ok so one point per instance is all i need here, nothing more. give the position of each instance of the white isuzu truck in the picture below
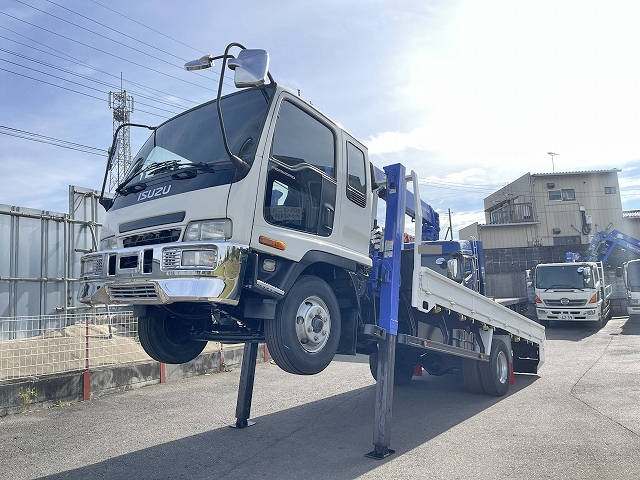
(572, 291)
(249, 219)
(632, 283)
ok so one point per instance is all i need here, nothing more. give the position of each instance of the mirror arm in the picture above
(101, 200)
(240, 164)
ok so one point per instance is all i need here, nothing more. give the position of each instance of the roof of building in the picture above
(635, 214)
(579, 172)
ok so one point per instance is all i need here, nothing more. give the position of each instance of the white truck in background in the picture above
(632, 282)
(572, 291)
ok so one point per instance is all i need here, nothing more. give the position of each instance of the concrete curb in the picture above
(69, 386)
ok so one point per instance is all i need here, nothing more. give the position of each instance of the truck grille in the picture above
(132, 292)
(572, 303)
(152, 238)
(171, 258)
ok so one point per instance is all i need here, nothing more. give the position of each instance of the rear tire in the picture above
(403, 367)
(471, 376)
(304, 336)
(494, 374)
(165, 338)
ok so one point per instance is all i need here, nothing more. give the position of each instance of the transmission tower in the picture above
(122, 106)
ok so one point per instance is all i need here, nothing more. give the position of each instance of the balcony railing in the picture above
(511, 213)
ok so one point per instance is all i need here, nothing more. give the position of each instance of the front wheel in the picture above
(166, 338)
(304, 336)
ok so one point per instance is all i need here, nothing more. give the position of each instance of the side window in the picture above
(301, 138)
(356, 177)
(301, 185)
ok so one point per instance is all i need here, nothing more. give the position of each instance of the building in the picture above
(631, 223)
(552, 209)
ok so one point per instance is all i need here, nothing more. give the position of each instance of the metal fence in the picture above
(41, 252)
(44, 344)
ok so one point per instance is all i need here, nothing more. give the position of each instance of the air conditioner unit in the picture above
(556, 231)
(551, 185)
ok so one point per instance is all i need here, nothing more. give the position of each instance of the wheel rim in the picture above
(313, 324)
(502, 367)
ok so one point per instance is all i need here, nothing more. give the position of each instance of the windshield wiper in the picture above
(153, 168)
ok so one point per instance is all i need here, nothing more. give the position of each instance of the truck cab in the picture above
(632, 283)
(206, 251)
(572, 291)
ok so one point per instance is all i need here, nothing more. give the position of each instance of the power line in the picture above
(71, 59)
(72, 90)
(26, 132)
(82, 84)
(104, 36)
(142, 24)
(33, 139)
(107, 53)
(101, 82)
(146, 26)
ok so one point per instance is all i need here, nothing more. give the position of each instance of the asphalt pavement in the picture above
(579, 419)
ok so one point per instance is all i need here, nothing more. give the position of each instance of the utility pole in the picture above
(552, 155)
(122, 106)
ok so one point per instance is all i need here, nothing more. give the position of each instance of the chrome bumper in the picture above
(153, 274)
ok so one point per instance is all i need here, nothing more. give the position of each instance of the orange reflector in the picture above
(538, 299)
(594, 299)
(270, 242)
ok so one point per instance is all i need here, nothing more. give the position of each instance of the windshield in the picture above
(193, 139)
(562, 276)
(633, 276)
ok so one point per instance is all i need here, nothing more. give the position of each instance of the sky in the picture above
(470, 95)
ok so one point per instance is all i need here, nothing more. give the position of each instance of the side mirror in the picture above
(529, 284)
(619, 271)
(452, 268)
(251, 67)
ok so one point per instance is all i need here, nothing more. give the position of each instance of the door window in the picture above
(356, 177)
(301, 185)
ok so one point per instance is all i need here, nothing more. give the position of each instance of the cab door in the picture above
(355, 198)
(297, 192)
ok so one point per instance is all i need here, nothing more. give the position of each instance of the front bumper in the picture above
(153, 275)
(569, 314)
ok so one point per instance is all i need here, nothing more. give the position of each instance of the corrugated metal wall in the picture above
(41, 254)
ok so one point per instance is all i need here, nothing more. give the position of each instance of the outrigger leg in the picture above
(245, 388)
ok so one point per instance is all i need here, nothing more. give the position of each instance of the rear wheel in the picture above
(471, 376)
(166, 338)
(403, 366)
(494, 374)
(304, 336)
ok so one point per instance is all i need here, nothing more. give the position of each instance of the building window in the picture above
(610, 190)
(566, 194)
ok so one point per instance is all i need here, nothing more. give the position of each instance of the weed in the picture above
(26, 398)
(60, 404)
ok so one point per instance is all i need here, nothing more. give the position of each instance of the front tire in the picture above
(166, 339)
(304, 336)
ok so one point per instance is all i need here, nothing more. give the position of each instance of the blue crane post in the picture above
(389, 297)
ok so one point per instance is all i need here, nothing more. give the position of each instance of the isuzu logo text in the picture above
(154, 192)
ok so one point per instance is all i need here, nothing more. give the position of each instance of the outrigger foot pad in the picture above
(242, 423)
(379, 455)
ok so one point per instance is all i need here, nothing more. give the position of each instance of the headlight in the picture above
(208, 230)
(199, 258)
(91, 266)
(108, 243)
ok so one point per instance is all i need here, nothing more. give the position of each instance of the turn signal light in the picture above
(538, 299)
(270, 242)
(594, 299)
